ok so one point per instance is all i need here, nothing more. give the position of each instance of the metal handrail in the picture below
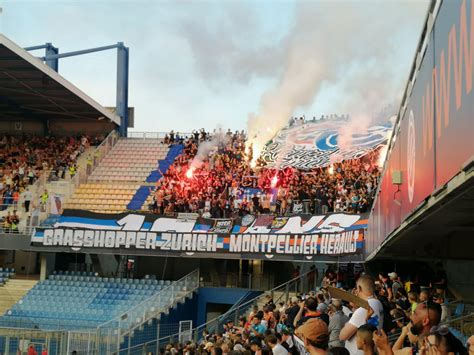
(246, 304)
(82, 174)
(457, 319)
(149, 299)
(154, 135)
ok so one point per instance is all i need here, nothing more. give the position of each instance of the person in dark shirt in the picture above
(256, 203)
(292, 311)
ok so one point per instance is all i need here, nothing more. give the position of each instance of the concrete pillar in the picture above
(43, 267)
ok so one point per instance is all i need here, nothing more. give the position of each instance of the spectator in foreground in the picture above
(365, 290)
(277, 348)
(308, 310)
(337, 320)
(364, 339)
(315, 336)
(256, 346)
(445, 311)
(424, 318)
(287, 342)
(441, 341)
(470, 345)
(292, 311)
(258, 329)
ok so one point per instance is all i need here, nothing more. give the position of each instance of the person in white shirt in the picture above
(206, 213)
(277, 348)
(365, 290)
(27, 197)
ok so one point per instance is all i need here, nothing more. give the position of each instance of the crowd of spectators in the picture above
(23, 159)
(215, 176)
(9, 223)
(314, 323)
(301, 120)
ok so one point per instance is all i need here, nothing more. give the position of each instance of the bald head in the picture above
(366, 284)
(337, 304)
(425, 316)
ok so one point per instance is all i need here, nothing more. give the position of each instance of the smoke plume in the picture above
(340, 57)
(207, 147)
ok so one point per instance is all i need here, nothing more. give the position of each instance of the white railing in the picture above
(281, 293)
(99, 153)
(151, 308)
(154, 135)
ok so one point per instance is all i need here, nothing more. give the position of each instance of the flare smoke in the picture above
(205, 148)
(340, 57)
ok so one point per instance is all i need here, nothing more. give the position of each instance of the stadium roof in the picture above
(29, 89)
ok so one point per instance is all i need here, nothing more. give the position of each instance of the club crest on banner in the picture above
(315, 143)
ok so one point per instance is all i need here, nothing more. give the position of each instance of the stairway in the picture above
(13, 291)
(143, 192)
(164, 164)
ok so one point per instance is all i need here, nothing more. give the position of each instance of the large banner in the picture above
(265, 236)
(315, 144)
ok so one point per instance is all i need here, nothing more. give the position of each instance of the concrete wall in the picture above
(218, 295)
(26, 262)
(461, 278)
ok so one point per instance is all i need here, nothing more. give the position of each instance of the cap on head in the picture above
(208, 345)
(314, 330)
(393, 275)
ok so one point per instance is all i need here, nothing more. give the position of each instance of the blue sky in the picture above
(206, 63)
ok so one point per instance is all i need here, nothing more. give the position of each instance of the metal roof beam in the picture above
(34, 48)
(84, 51)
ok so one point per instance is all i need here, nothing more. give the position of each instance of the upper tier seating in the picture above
(130, 160)
(104, 198)
(115, 181)
(80, 301)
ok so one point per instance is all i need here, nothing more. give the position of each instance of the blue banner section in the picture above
(264, 236)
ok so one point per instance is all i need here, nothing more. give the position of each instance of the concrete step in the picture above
(13, 291)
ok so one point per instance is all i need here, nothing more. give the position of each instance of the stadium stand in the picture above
(143, 193)
(5, 274)
(130, 160)
(84, 300)
(102, 197)
(223, 183)
(116, 182)
(12, 290)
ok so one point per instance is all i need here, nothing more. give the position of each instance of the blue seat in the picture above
(458, 312)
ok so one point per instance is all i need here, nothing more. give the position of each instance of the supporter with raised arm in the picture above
(308, 310)
(226, 172)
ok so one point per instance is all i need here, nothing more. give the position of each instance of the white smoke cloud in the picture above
(349, 48)
(208, 147)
